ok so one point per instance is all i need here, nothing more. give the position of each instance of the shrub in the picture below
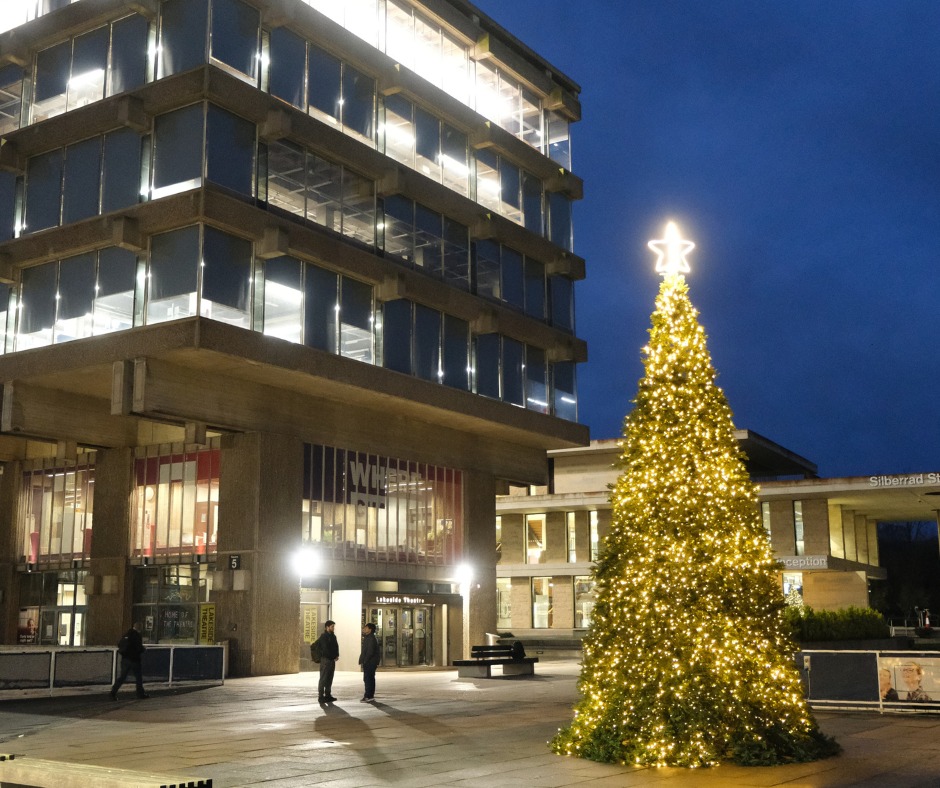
(850, 623)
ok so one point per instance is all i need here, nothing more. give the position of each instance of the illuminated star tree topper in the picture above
(688, 661)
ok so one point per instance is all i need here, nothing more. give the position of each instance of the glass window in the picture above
(183, 32)
(563, 389)
(173, 278)
(428, 240)
(8, 190)
(121, 174)
(399, 228)
(572, 532)
(486, 366)
(7, 315)
(358, 207)
(37, 306)
(324, 84)
(80, 191)
(427, 144)
(793, 588)
(531, 119)
(503, 603)
(396, 335)
(226, 278)
(560, 218)
(510, 191)
(513, 275)
(532, 202)
(355, 320)
(398, 130)
(595, 535)
(583, 601)
(178, 139)
(358, 102)
(89, 65)
(114, 293)
(230, 151)
(51, 81)
(513, 363)
(324, 192)
(456, 353)
(455, 70)
(427, 335)
(283, 298)
(11, 97)
(75, 298)
(43, 190)
(536, 380)
(454, 161)
(542, 602)
(534, 288)
(286, 177)
(765, 518)
(399, 41)
(128, 54)
(175, 502)
(320, 307)
(287, 66)
(559, 142)
(456, 254)
(798, 534)
(487, 180)
(562, 302)
(487, 268)
(235, 27)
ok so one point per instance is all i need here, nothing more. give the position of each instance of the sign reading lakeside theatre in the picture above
(910, 480)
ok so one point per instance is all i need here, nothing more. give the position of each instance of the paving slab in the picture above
(428, 729)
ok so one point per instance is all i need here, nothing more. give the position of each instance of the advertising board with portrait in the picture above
(905, 680)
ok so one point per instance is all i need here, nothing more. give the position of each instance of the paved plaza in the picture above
(428, 728)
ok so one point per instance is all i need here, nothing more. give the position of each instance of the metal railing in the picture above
(38, 667)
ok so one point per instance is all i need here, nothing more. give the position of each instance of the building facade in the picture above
(275, 274)
(823, 532)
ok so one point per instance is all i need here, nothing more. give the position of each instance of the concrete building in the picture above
(823, 531)
(275, 273)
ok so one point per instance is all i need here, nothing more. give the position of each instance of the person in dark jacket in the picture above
(130, 661)
(329, 653)
(369, 659)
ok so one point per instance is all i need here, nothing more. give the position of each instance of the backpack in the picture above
(123, 645)
(315, 650)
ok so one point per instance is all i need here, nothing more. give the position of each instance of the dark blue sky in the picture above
(798, 145)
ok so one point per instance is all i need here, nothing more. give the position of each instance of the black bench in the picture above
(482, 659)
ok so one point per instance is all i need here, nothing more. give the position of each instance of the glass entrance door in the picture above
(403, 634)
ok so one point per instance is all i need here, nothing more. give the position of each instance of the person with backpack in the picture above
(325, 650)
(131, 649)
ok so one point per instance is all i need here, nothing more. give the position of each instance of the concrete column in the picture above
(110, 586)
(9, 488)
(480, 513)
(260, 520)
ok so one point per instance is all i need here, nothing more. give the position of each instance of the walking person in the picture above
(369, 659)
(131, 649)
(329, 654)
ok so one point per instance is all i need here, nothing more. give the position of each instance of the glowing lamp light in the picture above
(464, 574)
(671, 252)
(305, 562)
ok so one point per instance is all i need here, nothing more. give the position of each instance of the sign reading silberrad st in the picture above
(904, 480)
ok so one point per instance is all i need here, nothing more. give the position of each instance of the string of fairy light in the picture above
(687, 661)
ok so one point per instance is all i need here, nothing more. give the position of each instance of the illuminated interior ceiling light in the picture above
(671, 252)
(88, 78)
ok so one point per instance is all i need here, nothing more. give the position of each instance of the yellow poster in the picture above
(310, 624)
(206, 624)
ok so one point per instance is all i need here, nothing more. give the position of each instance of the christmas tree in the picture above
(688, 661)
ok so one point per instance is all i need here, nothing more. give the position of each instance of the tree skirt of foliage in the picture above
(688, 661)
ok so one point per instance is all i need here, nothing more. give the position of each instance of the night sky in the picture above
(798, 145)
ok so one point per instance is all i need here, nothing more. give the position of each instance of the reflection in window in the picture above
(11, 97)
(43, 190)
(37, 306)
(115, 290)
(536, 380)
(128, 54)
(572, 531)
(55, 518)
(542, 602)
(283, 299)
(183, 29)
(178, 151)
(173, 276)
(50, 85)
(175, 502)
(226, 278)
(563, 385)
(89, 64)
(798, 533)
(355, 320)
(166, 601)
(75, 298)
(595, 535)
(558, 139)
